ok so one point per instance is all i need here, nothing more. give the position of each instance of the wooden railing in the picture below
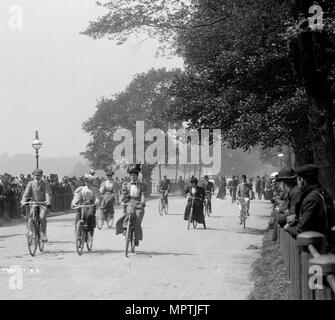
(311, 274)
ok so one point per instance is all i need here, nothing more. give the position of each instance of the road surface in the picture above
(170, 263)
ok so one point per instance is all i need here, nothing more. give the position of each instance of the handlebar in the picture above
(190, 197)
(34, 202)
(84, 206)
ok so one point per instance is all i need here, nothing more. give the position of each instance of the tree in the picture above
(144, 99)
(252, 68)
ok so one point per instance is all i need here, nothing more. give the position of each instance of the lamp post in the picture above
(281, 156)
(37, 144)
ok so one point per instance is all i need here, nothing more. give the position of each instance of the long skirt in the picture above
(222, 193)
(107, 203)
(122, 223)
(198, 211)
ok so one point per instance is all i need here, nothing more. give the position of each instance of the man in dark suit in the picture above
(315, 208)
(39, 190)
(287, 214)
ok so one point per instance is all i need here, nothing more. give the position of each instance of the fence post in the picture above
(327, 264)
(304, 240)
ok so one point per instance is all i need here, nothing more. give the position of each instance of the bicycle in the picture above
(34, 228)
(243, 211)
(162, 204)
(82, 231)
(206, 204)
(130, 229)
(104, 216)
(190, 217)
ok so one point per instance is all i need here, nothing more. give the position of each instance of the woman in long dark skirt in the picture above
(222, 188)
(198, 203)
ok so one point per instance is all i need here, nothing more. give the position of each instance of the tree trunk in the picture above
(321, 117)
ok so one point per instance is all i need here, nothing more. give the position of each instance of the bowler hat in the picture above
(308, 170)
(38, 172)
(109, 173)
(286, 173)
(134, 168)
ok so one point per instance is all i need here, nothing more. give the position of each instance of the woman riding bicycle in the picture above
(107, 190)
(86, 195)
(198, 193)
(133, 195)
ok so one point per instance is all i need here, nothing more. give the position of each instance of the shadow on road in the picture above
(253, 231)
(10, 236)
(70, 219)
(155, 253)
(54, 242)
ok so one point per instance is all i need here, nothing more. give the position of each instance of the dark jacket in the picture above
(311, 212)
(293, 198)
(198, 205)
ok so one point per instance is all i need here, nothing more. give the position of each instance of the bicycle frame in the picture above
(81, 211)
(191, 210)
(35, 216)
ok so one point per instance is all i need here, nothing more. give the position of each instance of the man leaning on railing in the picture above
(315, 211)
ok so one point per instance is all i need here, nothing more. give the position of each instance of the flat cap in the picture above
(109, 173)
(286, 173)
(307, 170)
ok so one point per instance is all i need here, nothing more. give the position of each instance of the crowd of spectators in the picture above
(12, 188)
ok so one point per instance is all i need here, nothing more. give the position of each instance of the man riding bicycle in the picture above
(164, 188)
(87, 195)
(209, 189)
(244, 191)
(38, 190)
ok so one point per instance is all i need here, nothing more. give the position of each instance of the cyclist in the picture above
(164, 188)
(133, 194)
(87, 195)
(244, 191)
(108, 190)
(38, 190)
(198, 205)
(209, 189)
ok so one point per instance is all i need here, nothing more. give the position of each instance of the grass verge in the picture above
(269, 273)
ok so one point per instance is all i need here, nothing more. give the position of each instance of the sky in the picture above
(51, 76)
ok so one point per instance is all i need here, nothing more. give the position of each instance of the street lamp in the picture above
(37, 144)
(281, 156)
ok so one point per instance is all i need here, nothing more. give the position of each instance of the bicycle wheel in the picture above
(80, 237)
(160, 207)
(206, 207)
(132, 240)
(32, 238)
(166, 208)
(110, 220)
(40, 242)
(100, 219)
(190, 218)
(127, 242)
(89, 242)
